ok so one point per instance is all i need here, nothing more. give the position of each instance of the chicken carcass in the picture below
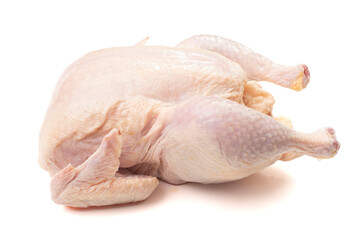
(122, 118)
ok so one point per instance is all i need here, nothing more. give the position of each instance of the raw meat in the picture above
(122, 118)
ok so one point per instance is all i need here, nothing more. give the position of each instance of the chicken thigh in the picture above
(122, 118)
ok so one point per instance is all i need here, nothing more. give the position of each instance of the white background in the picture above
(301, 199)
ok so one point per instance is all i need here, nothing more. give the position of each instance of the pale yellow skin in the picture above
(122, 117)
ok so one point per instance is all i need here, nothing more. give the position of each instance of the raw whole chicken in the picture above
(122, 118)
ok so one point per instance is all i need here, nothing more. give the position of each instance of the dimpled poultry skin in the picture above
(122, 118)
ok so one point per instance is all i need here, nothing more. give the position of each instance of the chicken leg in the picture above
(211, 139)
(256, 66)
